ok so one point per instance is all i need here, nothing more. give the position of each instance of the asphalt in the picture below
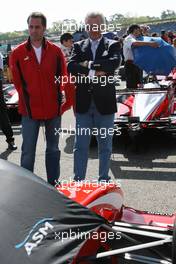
(147, 177)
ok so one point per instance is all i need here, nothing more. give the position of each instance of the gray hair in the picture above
(95, 14)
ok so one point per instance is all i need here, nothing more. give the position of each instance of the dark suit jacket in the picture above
(102, 90)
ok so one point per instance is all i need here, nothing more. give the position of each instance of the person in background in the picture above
(154, 34)
(164, 35)
(132, 71)
(66, 45)
(170, 36)
(174, 43)
(80, 34)
(35, 65)
(145, 30)
(4, 119)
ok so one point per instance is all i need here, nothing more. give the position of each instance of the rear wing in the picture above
(142, 91)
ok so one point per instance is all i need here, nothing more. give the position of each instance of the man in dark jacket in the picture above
(4, 119)
(93, 62)
(35, 64)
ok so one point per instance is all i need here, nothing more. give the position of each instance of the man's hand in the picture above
(100, 73)
(154, 44)
(84, 63)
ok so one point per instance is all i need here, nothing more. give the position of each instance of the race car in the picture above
(130, 236)
(11, 99)
(77, 222)
(152, 106)
(10, 95)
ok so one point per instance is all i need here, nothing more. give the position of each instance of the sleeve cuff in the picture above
(90, 64)
(91, 73)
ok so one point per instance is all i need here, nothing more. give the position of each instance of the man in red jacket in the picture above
(37, 65)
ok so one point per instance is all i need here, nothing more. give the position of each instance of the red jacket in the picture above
(36, 83)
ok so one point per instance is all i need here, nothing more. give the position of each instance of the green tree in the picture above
(117, 18)
(63, 26)
(127, 19)
(168, 14)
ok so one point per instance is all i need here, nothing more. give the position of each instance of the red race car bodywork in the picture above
(106, 199)
(153, 106)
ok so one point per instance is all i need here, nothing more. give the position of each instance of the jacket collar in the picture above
(103, 45)
(101, 48)
(29, 45)
(98, 40)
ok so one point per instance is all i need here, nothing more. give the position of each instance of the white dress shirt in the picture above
(94, 46)
(127, 49)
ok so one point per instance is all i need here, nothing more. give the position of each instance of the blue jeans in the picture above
(30, 131)
(102, 126)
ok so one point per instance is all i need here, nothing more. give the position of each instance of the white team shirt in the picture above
(127, 50)
(38, 53)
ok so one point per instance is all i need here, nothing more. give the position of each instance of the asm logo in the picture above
(36, 235)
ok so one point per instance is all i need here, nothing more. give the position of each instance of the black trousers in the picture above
(4, 120)
(133, 75)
